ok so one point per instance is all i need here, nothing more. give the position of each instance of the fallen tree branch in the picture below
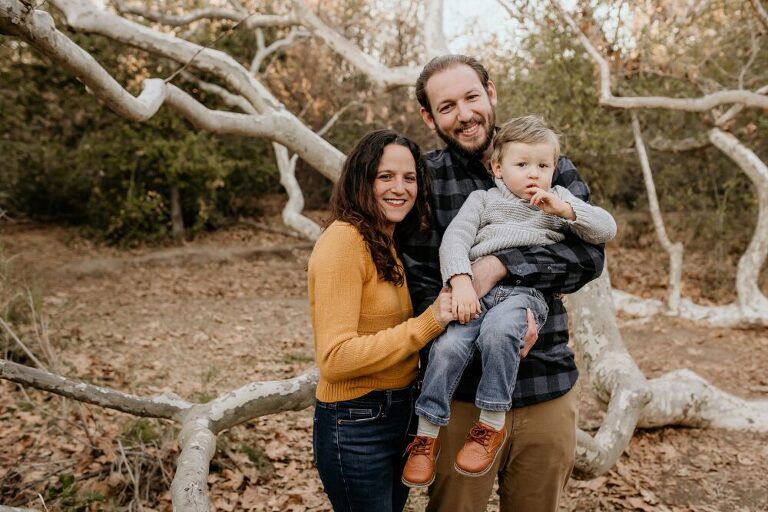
(677, 398)
(200, 423)
(164, 406)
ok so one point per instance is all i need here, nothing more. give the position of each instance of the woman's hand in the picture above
(441, 308)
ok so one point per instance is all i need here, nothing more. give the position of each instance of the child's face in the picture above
(525, 167)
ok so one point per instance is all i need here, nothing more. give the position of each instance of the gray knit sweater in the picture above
(496, 219)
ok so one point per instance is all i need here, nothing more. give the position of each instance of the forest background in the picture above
(80, 183)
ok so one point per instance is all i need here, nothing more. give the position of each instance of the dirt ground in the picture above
(230, 308)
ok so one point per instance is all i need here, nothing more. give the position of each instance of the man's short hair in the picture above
(442, 63)
(527, 130)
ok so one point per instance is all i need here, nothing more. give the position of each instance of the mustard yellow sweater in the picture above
(365, 338)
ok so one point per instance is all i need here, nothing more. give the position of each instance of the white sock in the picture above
(493, 419)
(427, 428)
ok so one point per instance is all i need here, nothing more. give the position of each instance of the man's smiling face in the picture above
(463, 111)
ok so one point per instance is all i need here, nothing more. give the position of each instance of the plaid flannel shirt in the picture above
(549, 370)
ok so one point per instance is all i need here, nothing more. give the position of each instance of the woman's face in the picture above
(395, 186)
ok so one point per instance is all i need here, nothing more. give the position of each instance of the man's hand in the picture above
(531, 335)
(464, 300)
(550, 203)
(486, 272)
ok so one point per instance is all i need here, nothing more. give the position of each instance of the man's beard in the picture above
(476, 152)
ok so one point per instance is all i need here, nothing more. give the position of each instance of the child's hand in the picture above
(464, 301)
(552, 204)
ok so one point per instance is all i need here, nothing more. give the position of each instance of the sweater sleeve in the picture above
(460, 236)
(593, 224)
(338, 270)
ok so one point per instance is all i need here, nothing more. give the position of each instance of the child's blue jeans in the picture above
(498, 334)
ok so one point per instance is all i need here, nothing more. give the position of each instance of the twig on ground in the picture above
(42, 501)
(21, 344)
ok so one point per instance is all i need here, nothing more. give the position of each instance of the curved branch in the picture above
(701, 104)
(684, 398)
(680, 146)
(261, 398)
(613, 373)
(677, 398)
(675, 250)
(210, 13)
(278, 126)
(762, 15)
(291, 214)
(165, 406)
(381, 75)
(37, 29)
(265, 51)
(751, 298)
(735, 110)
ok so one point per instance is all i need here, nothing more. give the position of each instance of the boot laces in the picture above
(419, 446)
(480, 434)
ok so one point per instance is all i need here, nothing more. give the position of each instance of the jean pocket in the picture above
(358, 416)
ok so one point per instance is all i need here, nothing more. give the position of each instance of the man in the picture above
(458, 102)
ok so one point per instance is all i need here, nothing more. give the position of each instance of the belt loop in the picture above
(388, 404)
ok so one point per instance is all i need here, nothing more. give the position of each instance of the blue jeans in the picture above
(498, 334)
(358, 446)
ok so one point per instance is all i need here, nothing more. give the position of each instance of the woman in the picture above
(366, 342)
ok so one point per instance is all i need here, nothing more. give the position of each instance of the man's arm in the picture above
(419, 253)
(562, 267)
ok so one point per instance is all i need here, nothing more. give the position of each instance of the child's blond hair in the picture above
(527, 130)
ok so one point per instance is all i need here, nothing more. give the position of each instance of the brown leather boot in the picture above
(419, 470)
(480, 450)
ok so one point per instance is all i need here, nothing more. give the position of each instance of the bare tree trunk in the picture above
(177, 220)
(751, 300)
(676, 398)
(752, 306)
(675, 250)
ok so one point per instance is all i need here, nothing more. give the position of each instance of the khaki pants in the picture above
(533, 467)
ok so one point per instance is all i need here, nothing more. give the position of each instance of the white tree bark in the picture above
(607, 99)
(200, 423)
(210, 13)
(292, 217)
(677, 398)
(263, 51)
(37, 28)
(434, 35)
(162, 406)
(380, 74)
(751, 300)
(80, 15)
(675, 250)
(752, 306)
(762, 15)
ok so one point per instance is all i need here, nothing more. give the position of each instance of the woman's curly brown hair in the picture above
(353, 200)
